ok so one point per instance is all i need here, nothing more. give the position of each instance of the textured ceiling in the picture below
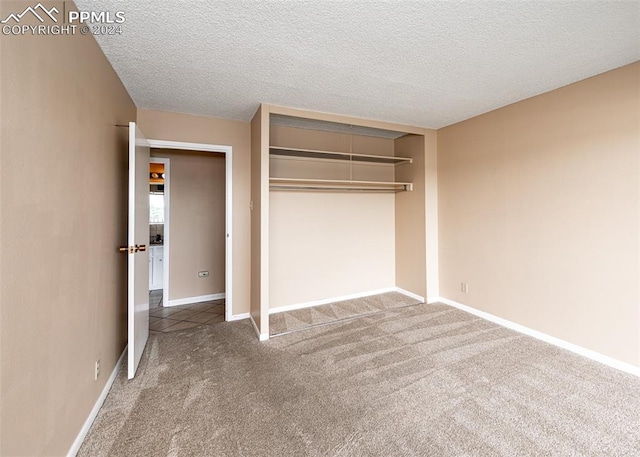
(422, 63)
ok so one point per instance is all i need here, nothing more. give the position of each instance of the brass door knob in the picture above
(133, 249)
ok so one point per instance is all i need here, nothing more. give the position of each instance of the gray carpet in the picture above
(302, 319)
(424, 380)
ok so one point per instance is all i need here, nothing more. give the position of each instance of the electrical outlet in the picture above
(464, 287)
(97, 370)
(203, 274)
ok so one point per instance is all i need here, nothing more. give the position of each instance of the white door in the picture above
(138, 289)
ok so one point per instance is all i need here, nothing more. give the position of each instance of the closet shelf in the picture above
(334, 155)
(338, 184)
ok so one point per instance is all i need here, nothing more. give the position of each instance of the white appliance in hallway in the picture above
(156, 267)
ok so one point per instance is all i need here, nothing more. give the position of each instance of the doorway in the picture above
(138, 236)
(203, 272)
(159, 224)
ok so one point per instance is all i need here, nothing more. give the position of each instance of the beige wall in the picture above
(325, 245)
(259, 220)
(431, 213)
(410, 220)
(63, 181)
(160, 125)
(539, 212)
(197, 222)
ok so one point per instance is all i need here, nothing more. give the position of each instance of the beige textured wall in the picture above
(539, 212)
(197, 222)
(63, 181)
(323, 244)
(431, 213)
(410, 220)
(259, 220)
(161, 125)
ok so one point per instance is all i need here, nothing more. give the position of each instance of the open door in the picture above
(138, 272)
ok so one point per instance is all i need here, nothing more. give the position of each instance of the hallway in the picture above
(169, 319)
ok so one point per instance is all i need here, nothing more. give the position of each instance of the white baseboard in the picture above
(593, 355)
(192, 300)
(432, 300)
(239, 317)
(326, 301)
(75, 447)
(420, 298)
(282, 309)
(261, 336)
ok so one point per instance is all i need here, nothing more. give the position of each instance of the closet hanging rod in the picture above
(337, 188)
(338, 184)
(335, 155)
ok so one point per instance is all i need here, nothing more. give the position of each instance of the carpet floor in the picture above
(301, 319)
(425, 380)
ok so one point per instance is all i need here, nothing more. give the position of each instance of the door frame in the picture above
(167, 223)
(228, 153)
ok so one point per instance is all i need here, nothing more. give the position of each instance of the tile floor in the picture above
(168, 319)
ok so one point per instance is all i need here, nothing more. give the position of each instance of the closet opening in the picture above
(343, 203)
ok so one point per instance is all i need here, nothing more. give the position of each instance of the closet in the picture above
(338, 209)
(350, 161)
